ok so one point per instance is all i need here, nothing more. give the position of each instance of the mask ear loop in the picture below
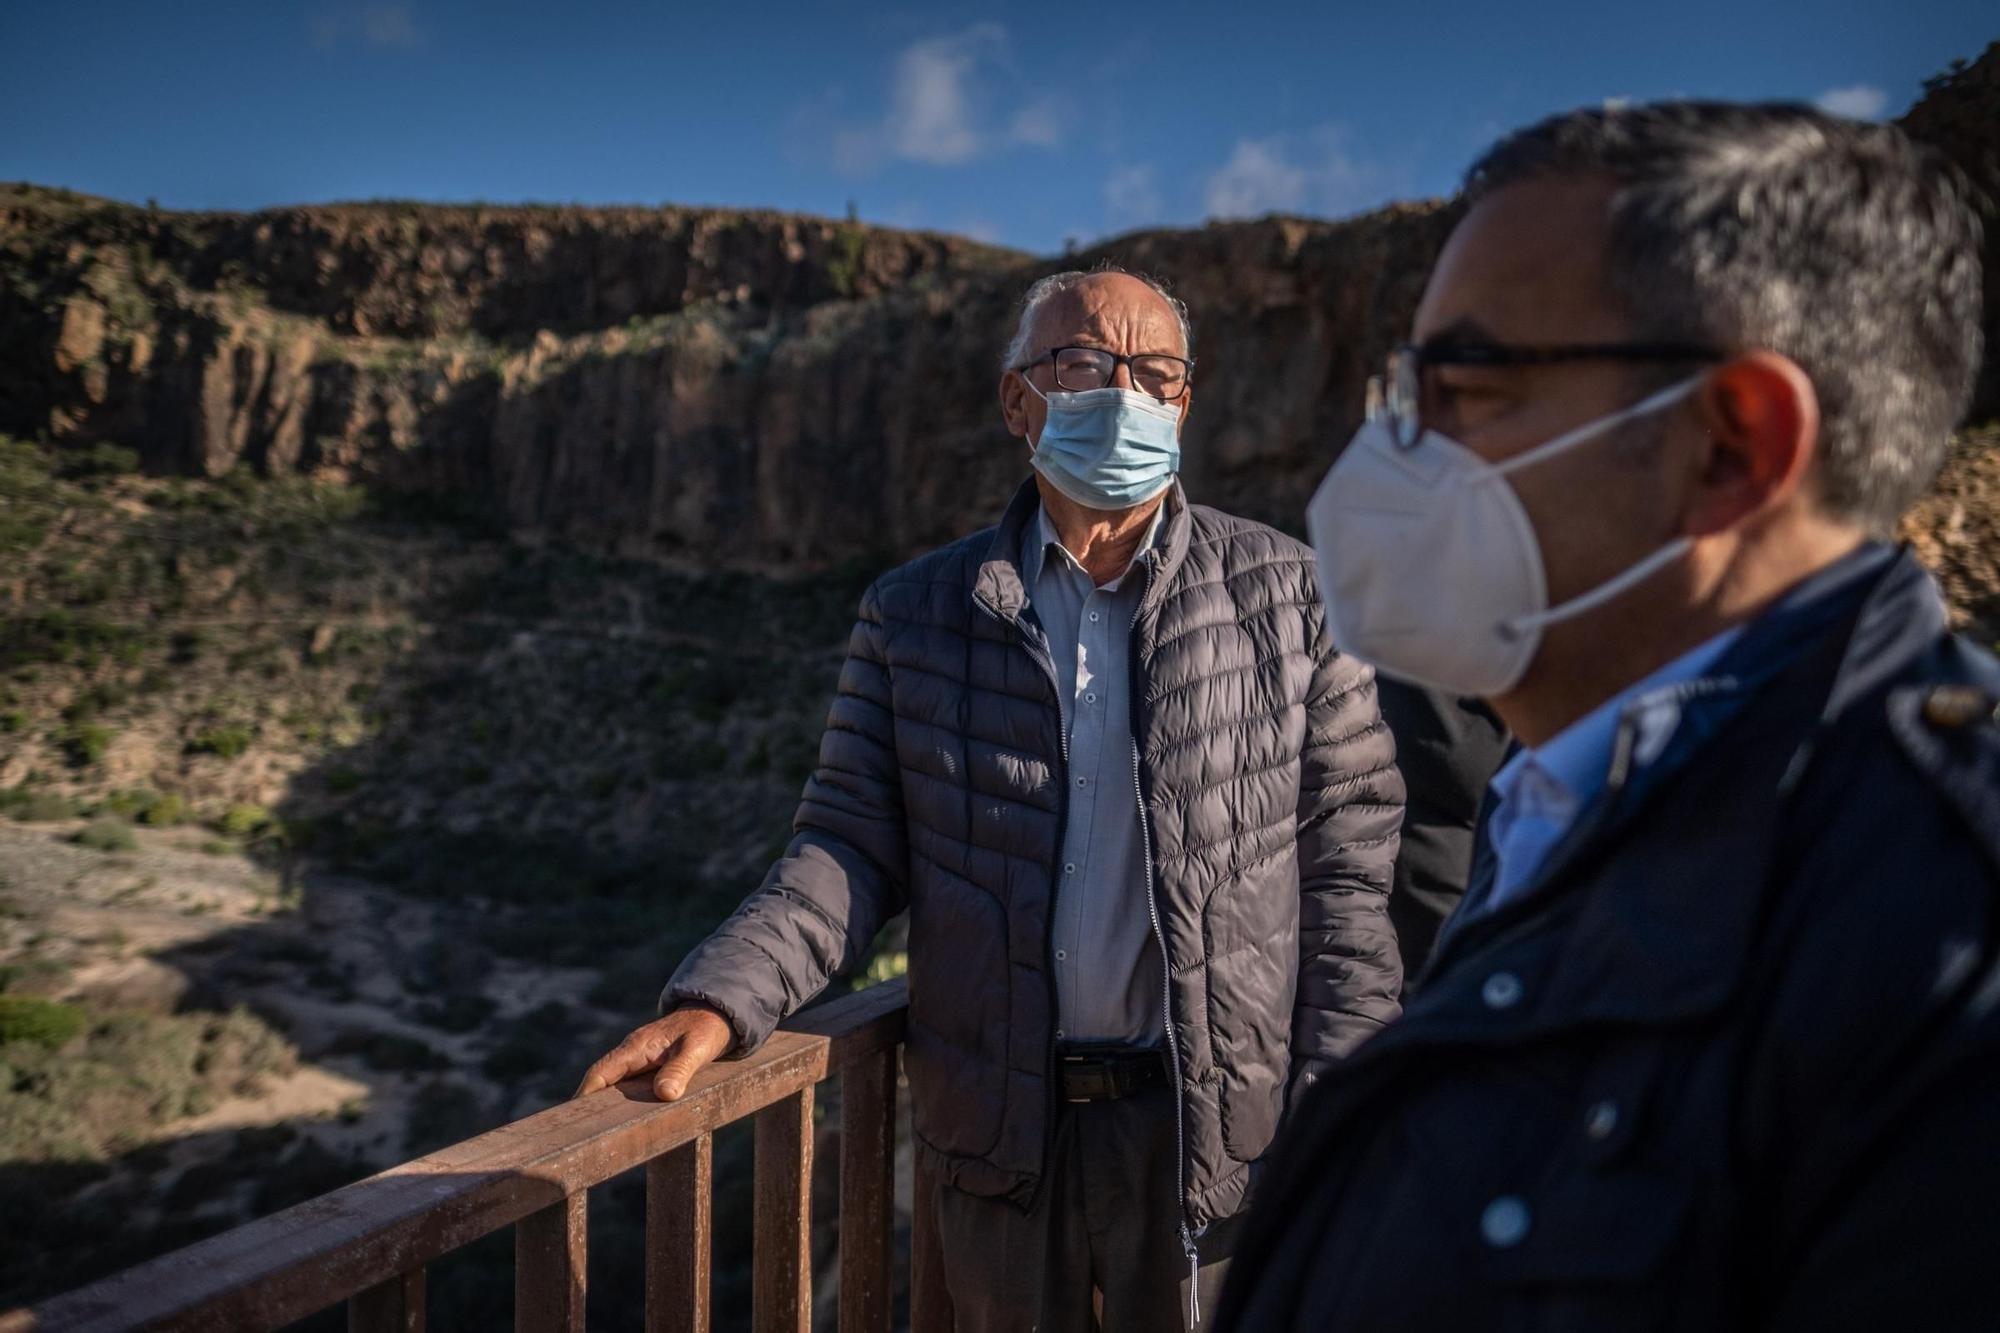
(1602, 593)
(1514, 629)
(1665, 398)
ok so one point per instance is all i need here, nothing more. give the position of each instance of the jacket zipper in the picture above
(1188, 1237)
(1049, 1109)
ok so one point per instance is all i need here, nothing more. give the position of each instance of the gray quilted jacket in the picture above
(1273, 808)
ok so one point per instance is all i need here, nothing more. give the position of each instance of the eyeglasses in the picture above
(1082, 368)
(1396, 395)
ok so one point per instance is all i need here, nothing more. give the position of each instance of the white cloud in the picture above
(1039, 124)
(931, 110)
(1313, 172)
(1858, 102)
(389, 25)
(946, 105)
(1132, 196)
(383, 26)
(1258, 178)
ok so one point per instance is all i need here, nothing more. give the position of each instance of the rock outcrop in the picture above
(730, 388)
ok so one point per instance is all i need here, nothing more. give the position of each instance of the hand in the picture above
(680, 1044)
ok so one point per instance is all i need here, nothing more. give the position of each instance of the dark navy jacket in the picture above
(1732, 1061)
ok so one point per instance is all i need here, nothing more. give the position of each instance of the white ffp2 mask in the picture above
(1429, 565)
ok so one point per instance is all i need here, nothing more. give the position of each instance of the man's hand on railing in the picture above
(679, 1044)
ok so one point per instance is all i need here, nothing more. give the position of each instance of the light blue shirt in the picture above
(1539, 793)
(1110, 986)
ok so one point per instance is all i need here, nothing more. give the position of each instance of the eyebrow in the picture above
(1461, 332)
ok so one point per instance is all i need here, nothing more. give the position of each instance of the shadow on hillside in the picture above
(558, 773)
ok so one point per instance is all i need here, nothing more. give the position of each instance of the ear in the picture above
(1014, 403)
(1187, 401)
(1762, 419)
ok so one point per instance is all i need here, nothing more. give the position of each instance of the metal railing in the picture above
(368, 1244)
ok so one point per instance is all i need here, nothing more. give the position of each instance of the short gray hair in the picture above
(1842, 245)
(1055, 284)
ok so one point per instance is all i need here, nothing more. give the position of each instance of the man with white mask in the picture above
(1143, 817)
(1713, 1041)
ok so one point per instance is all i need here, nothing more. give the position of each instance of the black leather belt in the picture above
(1106, 1073)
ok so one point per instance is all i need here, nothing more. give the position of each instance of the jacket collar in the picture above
(998, 581)
(1656, 938)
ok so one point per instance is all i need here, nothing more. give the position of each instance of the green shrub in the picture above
(240, 821)
(99, 460)
(227, 742)
(13, 720)
(43, 977)
(131, 1072)
(61, 636)
(84, 743)
(164, 811)
(107, 833)
(126, 804)
(32, 806)
(44, 1022)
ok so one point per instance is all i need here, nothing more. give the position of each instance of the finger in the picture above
(595, 1079)
(670, 1084)
(622, 1063)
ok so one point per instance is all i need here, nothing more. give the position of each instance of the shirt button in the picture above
(1505, 1222)
(1083, 782)
(1070, 869)
(1094, 616)
(1501, 991)
(1601, 1120)
(1059, 1034)
(1062, 956)
(1090, 698)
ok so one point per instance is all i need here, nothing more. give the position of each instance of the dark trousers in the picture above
(1101, 1247)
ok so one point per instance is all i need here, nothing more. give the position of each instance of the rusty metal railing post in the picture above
(781, 1255)
(680, 1190)
(867, 1190)
(395, 1306)
(549, 1250)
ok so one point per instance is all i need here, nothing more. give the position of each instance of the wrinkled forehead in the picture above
(1527, 265)
(1113, 311)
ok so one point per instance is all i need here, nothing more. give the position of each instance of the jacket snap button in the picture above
(1955, 707)
(1501, 991)
(1505, 1222)
(1601, 1121)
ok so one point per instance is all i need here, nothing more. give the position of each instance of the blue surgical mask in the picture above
(1108, 448)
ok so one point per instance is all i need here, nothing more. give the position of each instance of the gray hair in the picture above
(1022, 343)
(1841, 245)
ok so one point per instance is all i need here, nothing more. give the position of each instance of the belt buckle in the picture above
(1078, 1060)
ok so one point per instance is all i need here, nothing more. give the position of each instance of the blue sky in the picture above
(1026, 124)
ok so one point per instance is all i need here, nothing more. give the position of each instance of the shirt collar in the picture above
(1042, 535)
(1572, 766)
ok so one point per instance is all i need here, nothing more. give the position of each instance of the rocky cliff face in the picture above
(730, 388)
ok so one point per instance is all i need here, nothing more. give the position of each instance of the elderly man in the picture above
(1713, 1041)
(1143, 817)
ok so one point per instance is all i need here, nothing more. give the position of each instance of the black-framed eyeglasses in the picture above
(1080, 368)
(1397, 394)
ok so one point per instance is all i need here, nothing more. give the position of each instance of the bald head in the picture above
(1079, 309)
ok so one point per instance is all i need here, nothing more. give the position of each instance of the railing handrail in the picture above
(280, 1268)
